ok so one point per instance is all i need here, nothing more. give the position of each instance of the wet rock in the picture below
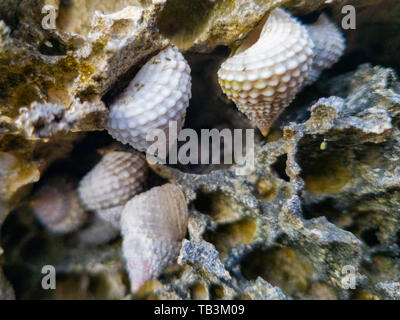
(262, 290)
(205, 254)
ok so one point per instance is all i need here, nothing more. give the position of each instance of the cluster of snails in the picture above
(262, 77)
(152, 223)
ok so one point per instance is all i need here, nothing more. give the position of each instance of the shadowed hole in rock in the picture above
(280, 167)
(286, 268)
(198, 291)
(364, 43)
(154, 180)
(217, 205)
(398, 237)
(83, 156)
(228, 235)
(324, 170)
(16, 230)
(370, 236)
(282, 239)
(213, 112)
(52, 47)
(176, 20)
(35, 249)
(373, 227)
(328, 209)
(203, 202)
(216, 292)
(24, 257)
(309, 18)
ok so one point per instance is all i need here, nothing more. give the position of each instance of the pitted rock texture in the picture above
(291, 233)
(324, 194)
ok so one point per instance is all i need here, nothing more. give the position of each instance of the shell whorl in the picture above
(153, 225)
(263, 77)
(329, 45)
(159, 93)
(57, 206)
(112, 182)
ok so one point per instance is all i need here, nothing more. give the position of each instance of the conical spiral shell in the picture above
(159, 93)
(112, 182)
(57, 206)
(153, 225)
(329, 45)
(264, 77)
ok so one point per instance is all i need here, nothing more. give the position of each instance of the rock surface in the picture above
(318, 216)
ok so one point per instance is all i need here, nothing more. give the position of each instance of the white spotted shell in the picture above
(329, 45)
(159, 93)
(153, 225)
(265, 73)
(112, 182)
(57, 206)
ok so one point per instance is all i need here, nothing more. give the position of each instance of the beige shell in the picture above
(112, 182)
(329, 45)
(153, 225)
(264, 74)
(57, 206)
(159, 93)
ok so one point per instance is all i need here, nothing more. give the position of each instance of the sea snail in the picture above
(153, 225)
(159, 93)
(264, 74)
(329, 45)
(112, 182)
(57, 206)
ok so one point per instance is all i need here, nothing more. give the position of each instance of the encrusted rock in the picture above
(205, 254)
(321, 201)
